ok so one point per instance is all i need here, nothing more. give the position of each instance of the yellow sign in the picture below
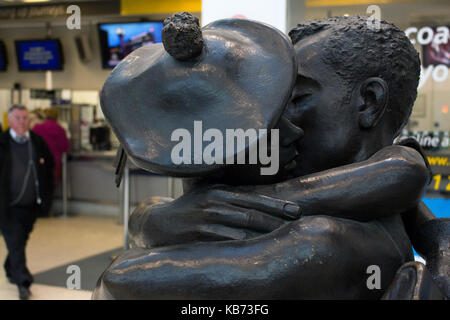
(325, 3)
(5, 121)
(439, 161)
(159, 6)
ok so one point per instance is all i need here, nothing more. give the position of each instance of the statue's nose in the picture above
(289, 132)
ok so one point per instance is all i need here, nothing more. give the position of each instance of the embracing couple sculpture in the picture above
(346, 197)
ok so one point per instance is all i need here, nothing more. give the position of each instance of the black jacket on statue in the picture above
(44, 170)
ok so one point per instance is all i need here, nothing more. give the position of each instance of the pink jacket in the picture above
(55, 136)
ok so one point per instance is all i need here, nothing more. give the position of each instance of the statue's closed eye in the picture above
(300, 98)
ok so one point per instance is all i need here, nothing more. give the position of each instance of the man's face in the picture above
(319, 107)
(250, 174)
(18, 120)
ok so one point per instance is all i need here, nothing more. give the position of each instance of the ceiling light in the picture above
(31, 1)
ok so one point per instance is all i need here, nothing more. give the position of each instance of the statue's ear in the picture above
(374, 96)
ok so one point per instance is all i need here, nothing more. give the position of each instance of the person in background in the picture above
(55, 136)
(35, 117)
(26, 180)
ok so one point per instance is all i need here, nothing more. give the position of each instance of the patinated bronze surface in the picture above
(242, 78)
(349, 199)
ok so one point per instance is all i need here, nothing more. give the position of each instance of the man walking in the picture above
(26, 180)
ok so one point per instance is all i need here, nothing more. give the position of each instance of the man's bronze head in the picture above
(355, 89)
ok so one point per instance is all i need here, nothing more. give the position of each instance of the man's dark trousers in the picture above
(16, 231)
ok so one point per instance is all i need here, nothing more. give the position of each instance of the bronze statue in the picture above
(345, 197)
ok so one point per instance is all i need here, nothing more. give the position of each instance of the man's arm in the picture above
(390, 182)
(313, 257)
(49, 161)
(430, 236)
(206, 215)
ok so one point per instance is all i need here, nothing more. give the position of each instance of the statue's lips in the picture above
(242, 80)
(287, 157)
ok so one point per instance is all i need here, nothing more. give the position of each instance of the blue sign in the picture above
(39, 55)
(2, 61)
(3, 57)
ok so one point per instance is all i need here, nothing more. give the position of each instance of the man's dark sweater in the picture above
(19, 165)
(44, 166)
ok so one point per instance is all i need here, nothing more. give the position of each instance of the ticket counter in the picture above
(90, 183)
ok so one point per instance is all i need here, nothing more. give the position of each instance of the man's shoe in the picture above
(24, 293)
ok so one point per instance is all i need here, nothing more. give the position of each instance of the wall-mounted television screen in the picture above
(117, 40)
(39, 55)
(3, 57)
(434, 54)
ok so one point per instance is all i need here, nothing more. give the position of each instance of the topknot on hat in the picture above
(182, 37)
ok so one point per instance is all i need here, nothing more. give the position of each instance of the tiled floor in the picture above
(58, 241)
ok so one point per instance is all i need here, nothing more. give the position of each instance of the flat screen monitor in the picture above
(117, 40)
(3, 57)
(434, 54)
(39, 55)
